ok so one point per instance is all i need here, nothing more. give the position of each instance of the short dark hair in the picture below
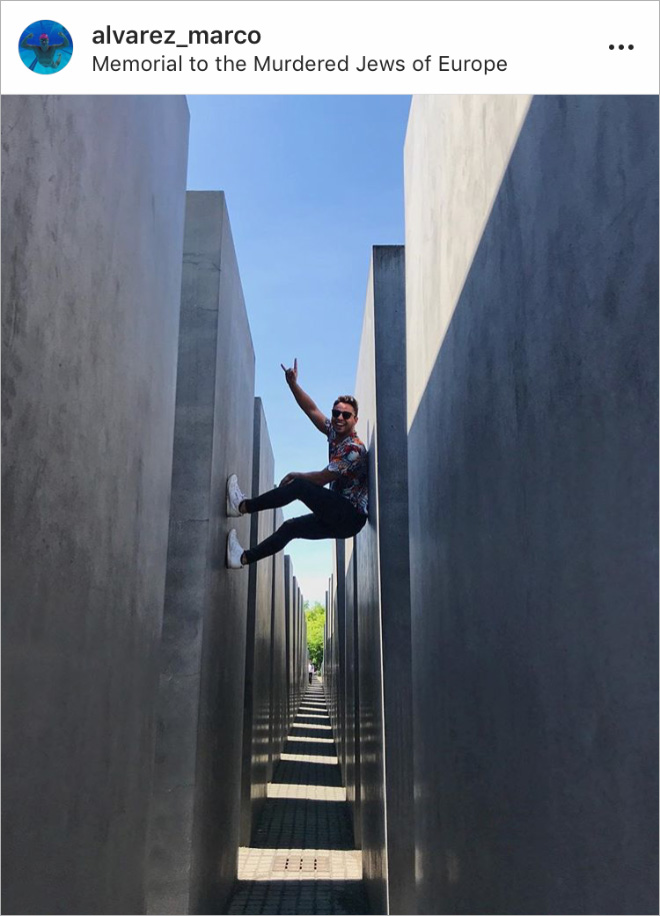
(347, 399)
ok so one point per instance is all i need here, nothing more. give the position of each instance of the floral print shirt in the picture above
(348, 458)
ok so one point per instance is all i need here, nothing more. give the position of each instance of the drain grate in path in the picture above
(319, 865)
(302, 858)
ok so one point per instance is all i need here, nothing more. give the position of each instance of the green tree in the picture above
(315, 616)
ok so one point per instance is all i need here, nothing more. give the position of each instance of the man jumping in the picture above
(339, 512)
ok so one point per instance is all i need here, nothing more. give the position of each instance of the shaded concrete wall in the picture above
(195, 806)
(92, 227)
(298, 671)
(278, 665)
(340, 658)
(532, 456)
(290, 636)
(305, 652)
(302, 648)
(331, 671)
(352, 688)
(293, 674)
(295, 680)
(326, 635)
(297, 645)
(256, 711)
(328, 678)
(381, 571)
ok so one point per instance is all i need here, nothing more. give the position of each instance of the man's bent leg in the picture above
(307, 527)
(327, 506)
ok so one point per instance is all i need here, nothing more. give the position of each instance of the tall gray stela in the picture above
(93, 193)
(339, 580)
(378, 581)
(532, 311)
(290, 664)
(195, 810)
(257, 705)
(278, 690)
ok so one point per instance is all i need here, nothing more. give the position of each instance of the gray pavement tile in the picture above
(303, 849)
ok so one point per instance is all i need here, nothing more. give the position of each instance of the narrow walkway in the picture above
(302, 859)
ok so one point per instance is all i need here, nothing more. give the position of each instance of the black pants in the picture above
(332, 516)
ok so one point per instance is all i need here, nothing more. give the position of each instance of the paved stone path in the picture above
(302, 859)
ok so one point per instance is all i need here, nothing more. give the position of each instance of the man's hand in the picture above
(303, 400)
(318, 477)
(291, 375)
(289, 478)
(29, 35)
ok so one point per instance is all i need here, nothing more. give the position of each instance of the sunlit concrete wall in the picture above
(92, 227)
(256, 711)
(531, 250)
(381, 581)
(195, 806)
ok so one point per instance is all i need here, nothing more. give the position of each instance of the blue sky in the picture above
(312, 182)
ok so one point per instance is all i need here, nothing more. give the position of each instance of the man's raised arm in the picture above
(303, 399)
(62, 44)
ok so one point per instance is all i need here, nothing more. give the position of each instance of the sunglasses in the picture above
(346, 414)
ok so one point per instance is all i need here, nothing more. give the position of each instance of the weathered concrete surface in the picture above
(329, 664)
(302, 649)
(339, 613)
(295, 683)
(331, 672)
(295, 676)
(92, 206)
(278, 668)
(195, 805)
(352, 688)
(449, 216)
(290, 664)
(533, 529)
(383, 588)
(256, 711)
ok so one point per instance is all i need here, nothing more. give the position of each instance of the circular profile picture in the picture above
(45, 47)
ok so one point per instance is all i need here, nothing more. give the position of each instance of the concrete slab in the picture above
(533, 529)
(288, 602)
(198, 752)
(92, 227)
(278, 692)
(382, 582)
(340, 659)
(351, 683)
(256, 710)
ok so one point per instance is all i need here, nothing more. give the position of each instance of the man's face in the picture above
(341, 421)
(44, 42)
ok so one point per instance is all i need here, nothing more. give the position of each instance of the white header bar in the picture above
(339, 47)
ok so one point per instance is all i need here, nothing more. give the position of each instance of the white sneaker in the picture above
(234, 551)
(234, 497)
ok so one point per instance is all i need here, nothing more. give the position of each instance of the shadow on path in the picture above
(302, 858)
